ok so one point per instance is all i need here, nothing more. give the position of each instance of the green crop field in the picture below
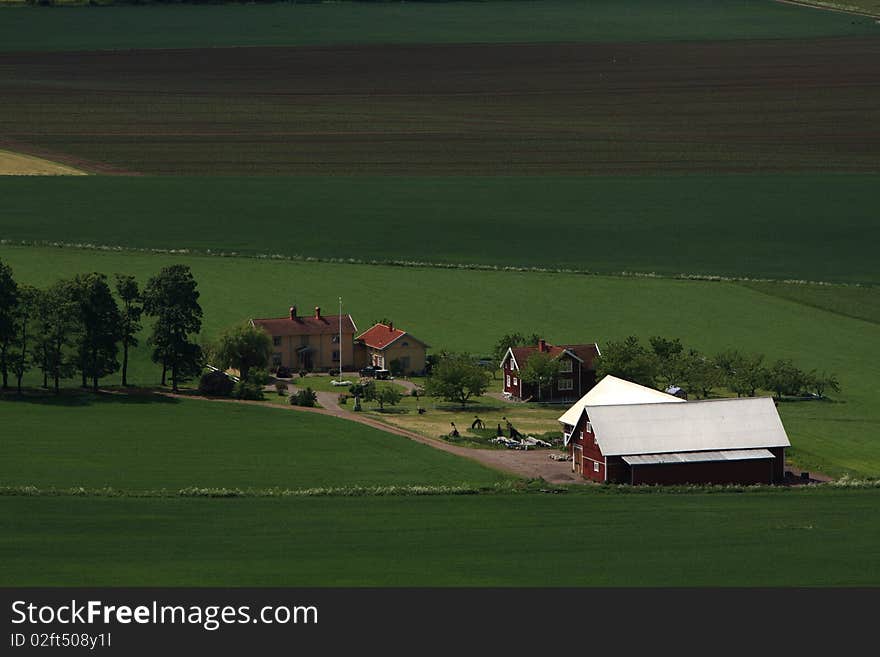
(188, 26)
(149, 443)
(734, 225)
(793, 538)
(469, 310)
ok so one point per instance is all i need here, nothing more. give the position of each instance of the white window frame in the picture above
(566, 366)
(570, 385)
(508, 380)
(595, 466)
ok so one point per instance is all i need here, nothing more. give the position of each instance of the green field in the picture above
(469, 310)
(772, 226)
(188, 26)
(806, 538)
(851, 301)
(149, 443)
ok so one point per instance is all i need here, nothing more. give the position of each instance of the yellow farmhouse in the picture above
(310, 342)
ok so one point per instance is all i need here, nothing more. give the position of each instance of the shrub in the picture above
(306, 397)
(259, 377)
(281, 388)
(249, 391)
(333, 372)
(303, 373)
(283, 372)
(216, 384)
(342, 399)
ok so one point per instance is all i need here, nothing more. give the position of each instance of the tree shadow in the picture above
(81, 398)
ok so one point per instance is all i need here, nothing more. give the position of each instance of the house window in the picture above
(405, 344)
(508, 380)
(565, 384)
(595, 466)
(276, 340)
(588, 427)
(336, 355)
(276, 359)
(565, 365)
(404, 363)
(514, 381)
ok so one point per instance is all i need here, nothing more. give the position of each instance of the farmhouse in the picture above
(576, 376)
(310, 342)
(385, 347)
(622, 432)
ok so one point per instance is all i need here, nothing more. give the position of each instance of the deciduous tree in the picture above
(628, 359)
(100, 327)
(457, 378)
(8, 304)
(129, 316)
(540, 370)
(172, 298)
(243, 347)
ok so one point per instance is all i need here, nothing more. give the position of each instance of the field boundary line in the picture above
(415, 264)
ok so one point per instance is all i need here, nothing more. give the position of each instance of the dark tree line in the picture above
(666, 362)
(78, 326)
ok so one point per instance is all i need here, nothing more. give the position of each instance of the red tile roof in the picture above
(308, 325)
(382, 335)
(586, 352)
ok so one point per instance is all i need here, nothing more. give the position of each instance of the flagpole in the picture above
(340, 338)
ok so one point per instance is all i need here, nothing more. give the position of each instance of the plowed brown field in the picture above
(454, 109)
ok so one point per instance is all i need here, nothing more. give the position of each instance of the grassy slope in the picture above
(465, 22)
(460, 310)
(850, 301)
(152, 443)
(739, 225)
(807, 538)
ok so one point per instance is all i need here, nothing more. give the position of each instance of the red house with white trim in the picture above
(621, 432)
(577, 374)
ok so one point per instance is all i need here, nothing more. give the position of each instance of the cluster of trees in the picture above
(666, 362)
(77, 326)
(370, 392)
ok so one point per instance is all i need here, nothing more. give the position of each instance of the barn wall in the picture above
(590, 452)
(778, 463)
(757, 471)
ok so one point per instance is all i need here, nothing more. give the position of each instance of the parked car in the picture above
(371, 372)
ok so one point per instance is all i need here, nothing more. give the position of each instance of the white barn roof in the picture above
(717, 424)
(613, 391)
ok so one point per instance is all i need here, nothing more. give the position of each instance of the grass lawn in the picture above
(786, 538)
(469, 310)
(460, 22)
(739, 225)
(148, 443)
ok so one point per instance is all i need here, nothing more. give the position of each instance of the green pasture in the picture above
(785, 538)
(775, 226)
(148, 443)
(469, 310)
(285, 24)
(852, 301)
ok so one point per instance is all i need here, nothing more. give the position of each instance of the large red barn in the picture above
(621, 432)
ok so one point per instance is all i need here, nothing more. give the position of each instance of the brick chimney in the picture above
(293, 312)
(317, 312)
(542, 346)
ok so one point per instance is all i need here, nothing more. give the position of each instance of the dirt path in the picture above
(530, 464)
